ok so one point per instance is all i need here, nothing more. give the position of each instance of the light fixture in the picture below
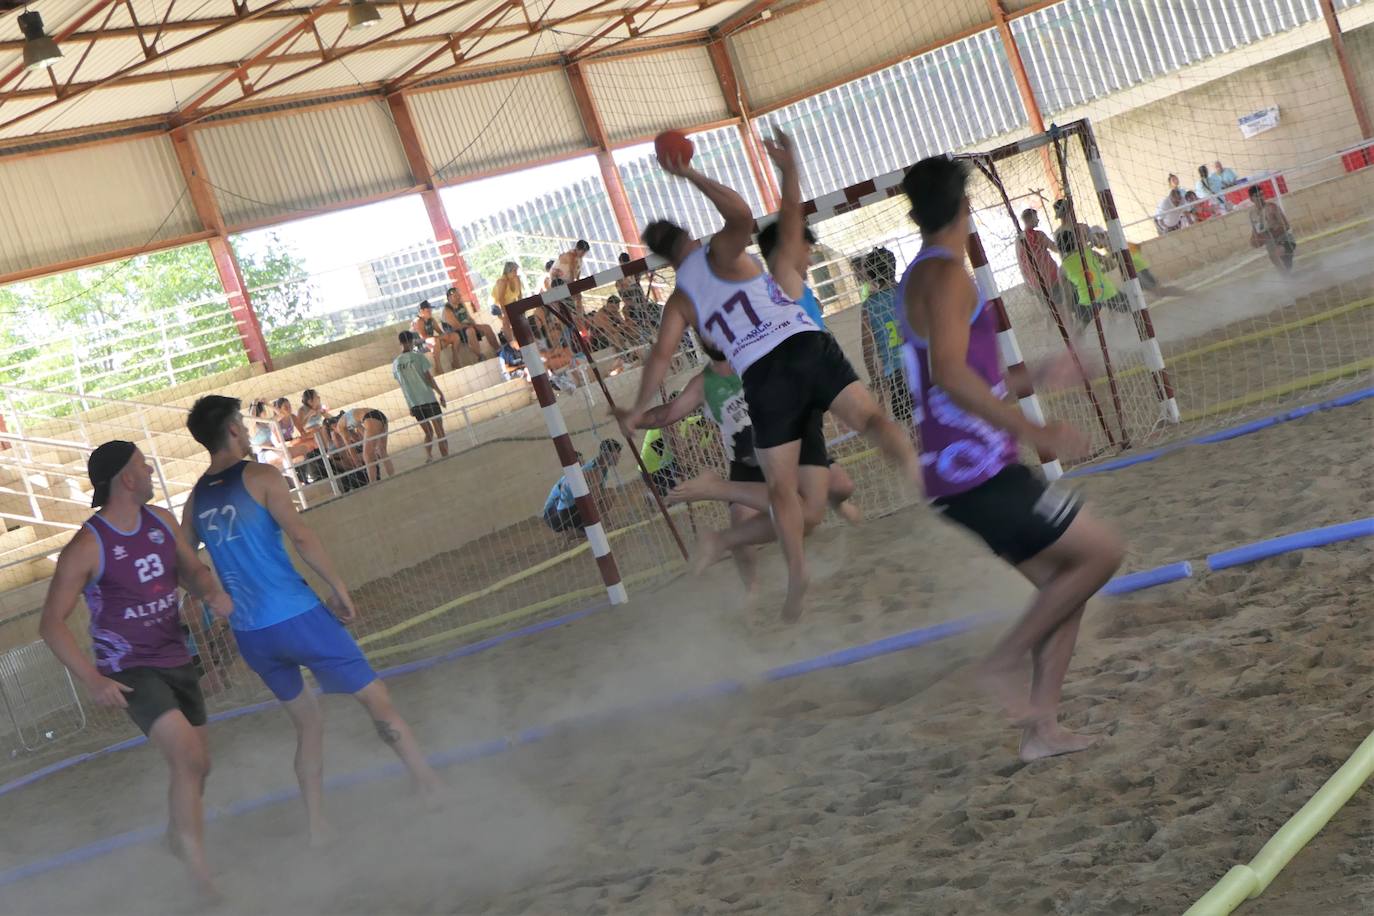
(39, 49)
(362, 14)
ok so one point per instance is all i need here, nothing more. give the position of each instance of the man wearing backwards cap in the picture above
(127, 560)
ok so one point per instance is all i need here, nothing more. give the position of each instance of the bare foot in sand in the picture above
(699, 488)
(1048, 738)
(849, 512)
(794, 604)
(709, 549)
(1010, 688)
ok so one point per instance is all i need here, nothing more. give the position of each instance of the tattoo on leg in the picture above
(386, 731)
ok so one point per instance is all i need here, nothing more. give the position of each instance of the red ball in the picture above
(673, 143)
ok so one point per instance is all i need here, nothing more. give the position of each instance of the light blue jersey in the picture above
(881, 316)
(245, 543)
(812, 306)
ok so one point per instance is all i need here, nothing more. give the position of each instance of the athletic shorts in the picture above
(1016, 512)
(561, 520)
(745, 473)
(1147, 279)
(790, 387)
(314, 640)
(665, 478)
(423, 412)
(162, 690)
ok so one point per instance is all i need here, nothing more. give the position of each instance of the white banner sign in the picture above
(1259, 122)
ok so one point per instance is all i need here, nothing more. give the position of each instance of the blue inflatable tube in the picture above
(1148, 578)
(1315, 537)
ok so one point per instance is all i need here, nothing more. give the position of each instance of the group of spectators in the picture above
(1182, 207)
(312, 443)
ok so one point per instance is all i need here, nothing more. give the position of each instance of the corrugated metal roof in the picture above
(824, 42)
(359, 69)
(477, 127)
(641, 95)
(274, 167)
(66, 205)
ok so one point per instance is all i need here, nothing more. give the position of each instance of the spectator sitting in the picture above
(560, 509)
(290, 433)
(1033, 248)
(1172, 213)
(422, 394)
(313, 410)
(456, 319)
(882, 339)
(365, 428)
(612, 326)
(512, 362)
(1174, 183)
(506, 290)
(435, 337)
(551, 276)
(1226, 177)
(638, 309)
(1269, 229)
(1209, 189)
(1200, 210)
(263, 440)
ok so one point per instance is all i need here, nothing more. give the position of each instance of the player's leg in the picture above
(794, 493)
(856, 408)
(427, 428)
(709, 486)
(1074, 565)
(839, 489)
(746, 560)
(396, 734)
(308, 719)
(438, 422)
(183, 747)
(374, 448)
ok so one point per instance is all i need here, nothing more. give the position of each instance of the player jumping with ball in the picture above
(792, 370)
(968, 433)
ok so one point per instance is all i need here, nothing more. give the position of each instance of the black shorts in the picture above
(1016, 512)
(1147, 279)
(665, 478)
(790, 388)
(423, 412)
(745, 473)
(561, 520)
(162, 690)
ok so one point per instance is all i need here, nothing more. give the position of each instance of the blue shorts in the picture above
(314, 640)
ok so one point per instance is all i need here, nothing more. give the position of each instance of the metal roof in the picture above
(183, 62)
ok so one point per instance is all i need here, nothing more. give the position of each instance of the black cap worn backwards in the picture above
(104, 466)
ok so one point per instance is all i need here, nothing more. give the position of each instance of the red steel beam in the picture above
(610, 172)
(1035, 119)
(743, 17)
(737, 102)
(450, 40)
(1352, 86)
(157, 55)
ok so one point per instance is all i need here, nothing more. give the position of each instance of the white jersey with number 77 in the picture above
(744, 320)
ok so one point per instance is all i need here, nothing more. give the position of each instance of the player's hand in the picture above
(1060, 440)
(781, 150)
(107, 692)
(340, 604)
(677, 165)
(220, 604)
(1057, 373)
(628, 416)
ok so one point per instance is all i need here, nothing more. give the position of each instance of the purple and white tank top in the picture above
(744, 320)
(135, 615)
(958, 450)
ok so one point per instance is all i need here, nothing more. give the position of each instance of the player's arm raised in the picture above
(738, 232)
(77, 565)
(949, 285)
(790, 222)
(688, 400)
(268, 486)
(676, 319)
(192, 574)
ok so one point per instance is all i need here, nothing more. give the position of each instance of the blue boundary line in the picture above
(1114, 587)
(1234, 432)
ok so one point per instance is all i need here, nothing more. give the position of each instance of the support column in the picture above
(738, 106)
(1035, 120)
(226, 262)
(1333, 25)
(610, 172)
(454, 263)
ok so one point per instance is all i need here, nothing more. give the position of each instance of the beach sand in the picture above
(1221, 704)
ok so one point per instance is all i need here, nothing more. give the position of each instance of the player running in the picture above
(792, 371)
(239, 510)
(721, 392)
(127, 560)
(969, 434)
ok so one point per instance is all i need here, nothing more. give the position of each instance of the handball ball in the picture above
(673, 143)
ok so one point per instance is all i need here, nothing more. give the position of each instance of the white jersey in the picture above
(745, 321)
